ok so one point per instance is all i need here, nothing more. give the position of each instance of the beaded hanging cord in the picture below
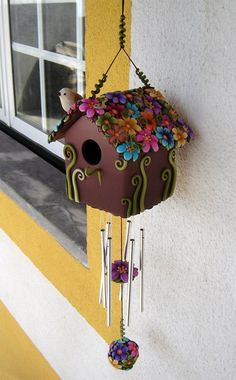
(122, 36)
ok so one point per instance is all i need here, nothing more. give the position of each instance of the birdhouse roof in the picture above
(133, 121)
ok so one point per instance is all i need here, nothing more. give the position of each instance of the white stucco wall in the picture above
(187, 49)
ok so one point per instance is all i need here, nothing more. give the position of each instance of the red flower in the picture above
(115, 109)
(148, 121)
(116, 134)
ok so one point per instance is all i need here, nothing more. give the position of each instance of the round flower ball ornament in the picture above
(123, 353)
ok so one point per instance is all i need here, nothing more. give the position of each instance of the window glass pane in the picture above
(0, 99)
(57, 77)
(27, 88)
(59, 27)
(24, 23)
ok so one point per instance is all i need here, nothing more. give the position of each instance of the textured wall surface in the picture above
(187, 49)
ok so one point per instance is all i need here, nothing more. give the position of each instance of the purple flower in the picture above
(152, 105)
(91, 107)
(165, 137)
(116, 97)
(120, 352)
(120, 271)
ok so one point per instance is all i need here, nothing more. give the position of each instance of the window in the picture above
(45, 48)
(42, 51)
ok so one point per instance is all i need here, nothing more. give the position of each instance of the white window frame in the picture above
(8, 112)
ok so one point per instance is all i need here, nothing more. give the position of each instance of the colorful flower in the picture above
(149, 141)
(152, 105)
(116, 97)
(165, 137)
(180, 135)
(187, 128)
(130, 125)
(133, 348)
(106, 121)
(166, 122)
(132, 110)
(115, 109)
(73, 108)
(119, 352)
(148, 120)
(154, 93)
(91, 107)
(129, 149)
(116, 134)
(120, 271)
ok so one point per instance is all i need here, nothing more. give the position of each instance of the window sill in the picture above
(38, 188)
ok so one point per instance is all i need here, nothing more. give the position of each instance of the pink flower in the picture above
(91, 107)
(149, 141)
(133, 347)
(73, 108)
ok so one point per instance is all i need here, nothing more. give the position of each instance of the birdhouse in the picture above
(120, 150)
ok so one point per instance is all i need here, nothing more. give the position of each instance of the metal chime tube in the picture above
(141, 253)
(130, 279)
(128, 225)
(102, 292)
(109, 258)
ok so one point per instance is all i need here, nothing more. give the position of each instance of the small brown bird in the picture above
(68, 98)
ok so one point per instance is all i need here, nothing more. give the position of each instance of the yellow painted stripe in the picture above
(19, 359)
(77, 283)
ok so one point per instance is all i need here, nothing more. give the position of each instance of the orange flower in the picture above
(130, 126)
(149, 121)
(180, 136)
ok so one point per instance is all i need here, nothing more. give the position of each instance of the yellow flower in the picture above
(130, 125)
(154, 93)
(180, 136)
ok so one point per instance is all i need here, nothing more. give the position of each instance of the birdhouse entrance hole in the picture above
(91, 152)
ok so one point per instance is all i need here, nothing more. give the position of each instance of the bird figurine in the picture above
(68, 98)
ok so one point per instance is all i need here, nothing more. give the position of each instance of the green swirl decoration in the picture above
(127, 201)
(144, 162)
(81, 176)
(174, 171)
(121, 164)
(89, 171)
(136, 181)
(71, 156)
(166, 177)
(169, 176)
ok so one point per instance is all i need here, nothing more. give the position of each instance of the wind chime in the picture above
(120, 158)
(123, 352)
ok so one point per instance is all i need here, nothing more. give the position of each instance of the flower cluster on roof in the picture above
(134, 121)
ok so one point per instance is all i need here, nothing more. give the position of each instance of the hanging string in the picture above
(122, 36)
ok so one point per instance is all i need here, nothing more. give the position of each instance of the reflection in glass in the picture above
(27, 88)
(59, 28)
(23, 19)
(57, 77)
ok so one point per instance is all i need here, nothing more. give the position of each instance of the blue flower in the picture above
(129, 150)
(165, 137)
(133, 110)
